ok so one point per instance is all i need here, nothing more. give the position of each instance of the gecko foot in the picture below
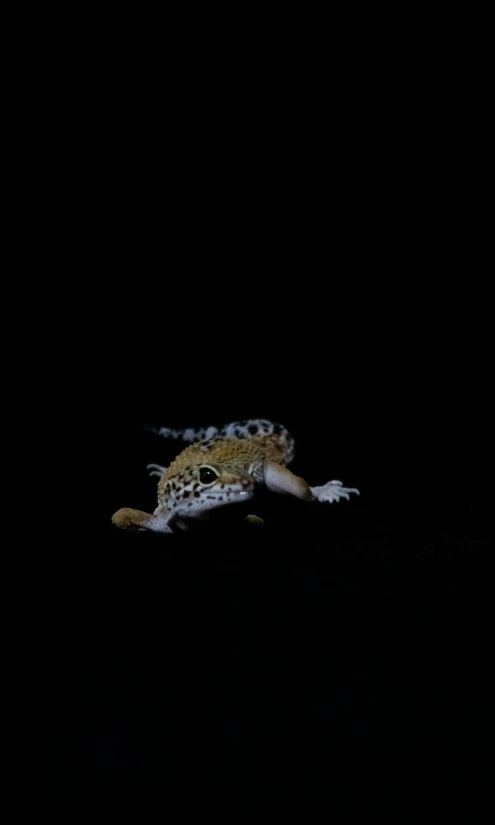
(155, 470)
(332, 491)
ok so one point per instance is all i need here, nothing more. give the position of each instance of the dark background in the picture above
(342, 655)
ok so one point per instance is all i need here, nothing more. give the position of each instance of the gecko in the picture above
(220, 468)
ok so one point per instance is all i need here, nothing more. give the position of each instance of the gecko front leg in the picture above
(279, 479)
(128, 519)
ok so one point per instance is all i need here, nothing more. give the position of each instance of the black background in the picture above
(342, 655)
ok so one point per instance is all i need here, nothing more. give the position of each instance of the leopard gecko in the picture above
(222, 467)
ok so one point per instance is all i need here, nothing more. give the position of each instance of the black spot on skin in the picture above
(253, 429)
(190, 504)
(220, 498)
(186, 494)
(195, 487)
(196, 494)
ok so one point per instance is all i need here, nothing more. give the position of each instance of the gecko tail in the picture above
(189, 434)
(249, 428)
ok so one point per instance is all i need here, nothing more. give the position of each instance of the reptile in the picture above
(220, 468)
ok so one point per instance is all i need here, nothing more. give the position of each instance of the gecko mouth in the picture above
(226, 493)
(227, 497)
(240, 488)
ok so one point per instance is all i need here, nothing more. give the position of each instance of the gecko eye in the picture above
(207, 475)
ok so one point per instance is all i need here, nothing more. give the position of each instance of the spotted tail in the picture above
(250, 428)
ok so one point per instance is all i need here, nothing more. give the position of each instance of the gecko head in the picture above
(200, 489)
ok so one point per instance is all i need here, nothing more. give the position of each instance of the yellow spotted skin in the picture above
(223, 451)
(231, 458)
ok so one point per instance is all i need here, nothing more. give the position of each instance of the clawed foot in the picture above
(155, 470)
(332, 491)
